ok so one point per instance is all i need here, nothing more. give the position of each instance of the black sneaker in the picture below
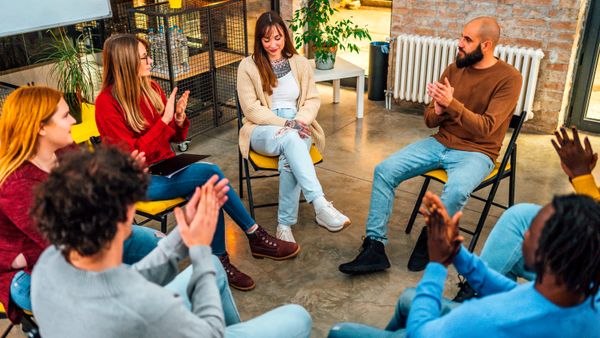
(420, 256)
(465, 292)
(370, 259)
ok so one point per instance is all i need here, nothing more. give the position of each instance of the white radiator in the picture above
(420, 60)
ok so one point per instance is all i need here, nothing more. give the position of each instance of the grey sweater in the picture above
(127, 301)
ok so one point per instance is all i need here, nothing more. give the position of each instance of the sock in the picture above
(252, 229)
(319, 202)
(284, 227)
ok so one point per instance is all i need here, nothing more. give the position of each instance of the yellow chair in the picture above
(87, 131)
(504, 169)
(262, 163)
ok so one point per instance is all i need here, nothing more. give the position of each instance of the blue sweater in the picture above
(506, 308)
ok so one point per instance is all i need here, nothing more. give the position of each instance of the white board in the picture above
(22, 16)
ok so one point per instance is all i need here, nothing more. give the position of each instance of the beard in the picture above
(470, 58)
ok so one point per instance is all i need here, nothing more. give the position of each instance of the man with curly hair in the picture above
(81, 288)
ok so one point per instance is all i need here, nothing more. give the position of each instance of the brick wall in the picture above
(552, 25)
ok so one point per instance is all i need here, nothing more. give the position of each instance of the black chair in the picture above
(261, 163)
(504, 169)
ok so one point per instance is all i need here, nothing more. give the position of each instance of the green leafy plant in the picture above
(74, 68)
(324, 35)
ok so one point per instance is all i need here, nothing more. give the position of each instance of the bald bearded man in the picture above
(472, 105)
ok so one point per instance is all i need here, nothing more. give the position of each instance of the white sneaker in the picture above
(331, 219)
(284, 233)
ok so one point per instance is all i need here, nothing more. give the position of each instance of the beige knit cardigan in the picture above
(256, 104)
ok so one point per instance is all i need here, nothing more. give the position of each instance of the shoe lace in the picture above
(229, 268)
(266, 238)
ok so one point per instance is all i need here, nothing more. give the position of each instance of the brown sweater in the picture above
(479, 115)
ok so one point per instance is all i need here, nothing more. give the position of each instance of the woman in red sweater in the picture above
(35, 125)
(133, 111)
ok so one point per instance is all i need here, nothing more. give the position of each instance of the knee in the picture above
(298, 318)
(215, 170)
(383, 170)
(405, 300)
(518, 217)
(291, 138)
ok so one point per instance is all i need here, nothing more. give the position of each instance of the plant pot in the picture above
(328, 60)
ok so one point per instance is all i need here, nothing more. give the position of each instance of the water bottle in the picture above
(174, 50)
(152, 51)
(185, 52)
(161, 56)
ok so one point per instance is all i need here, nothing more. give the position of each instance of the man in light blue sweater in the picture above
(81, 288)
(561, 246)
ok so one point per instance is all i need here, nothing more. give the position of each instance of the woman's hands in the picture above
(575, 159)
(177, 113)
(302, 128)
(198, 223)
(443, 239)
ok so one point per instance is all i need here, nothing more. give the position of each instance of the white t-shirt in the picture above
(286, 94)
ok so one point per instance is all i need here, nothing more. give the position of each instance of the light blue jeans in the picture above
(285, 321)
(137, 246)
(466, 170)
(296, 169)
(502, 250)
(396, 328)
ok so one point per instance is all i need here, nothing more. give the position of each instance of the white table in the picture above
(343, 69)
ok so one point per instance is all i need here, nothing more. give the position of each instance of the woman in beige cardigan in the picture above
(280, 102)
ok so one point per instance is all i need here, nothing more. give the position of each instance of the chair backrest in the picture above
(240, 114)
(516, 123)
(86, 131)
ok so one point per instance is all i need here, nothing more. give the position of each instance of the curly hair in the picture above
(84, 198)
(569, 244)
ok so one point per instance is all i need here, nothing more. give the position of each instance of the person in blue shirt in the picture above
(561, 247)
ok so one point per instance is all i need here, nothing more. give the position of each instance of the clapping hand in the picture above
(443, 239)
(180, 110)
(576, 159)
(198, 223)
(140, 159)
(441, 93)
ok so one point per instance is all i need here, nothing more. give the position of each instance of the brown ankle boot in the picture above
(264, 245)
(235, 277)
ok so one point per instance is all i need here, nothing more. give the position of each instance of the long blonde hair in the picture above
(121, 71)
(24, 112)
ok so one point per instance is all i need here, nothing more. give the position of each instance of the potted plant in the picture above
(74, 68)
(324, 37)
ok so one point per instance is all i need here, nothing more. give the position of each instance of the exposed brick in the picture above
(564, 25)
(532, 22)
(558, 86)
(562, 67)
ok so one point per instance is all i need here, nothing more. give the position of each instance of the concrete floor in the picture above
(353, 149)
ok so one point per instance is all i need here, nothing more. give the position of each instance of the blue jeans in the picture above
(465, 169)
(396, 328)
(184, 183)
(296, 169)
(137, 246)
(503, 248)
(286, 321)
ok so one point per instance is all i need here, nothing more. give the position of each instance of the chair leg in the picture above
(163, 223)
(484, 213)
(249, 188)
(240, 175)
(415, 211)
(8, 329)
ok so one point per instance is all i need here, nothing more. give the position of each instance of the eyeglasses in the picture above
(147, 57)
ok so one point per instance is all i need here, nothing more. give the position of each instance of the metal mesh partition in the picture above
(196, 48)
(5, 90)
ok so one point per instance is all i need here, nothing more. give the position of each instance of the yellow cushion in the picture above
(156, 207)
(442, 176)
(272, 162)
(87, 128)
(2, 310)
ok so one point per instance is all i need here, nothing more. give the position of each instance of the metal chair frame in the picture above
(510, 156)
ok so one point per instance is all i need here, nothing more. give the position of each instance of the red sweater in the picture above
(18, 233)
(154, 141)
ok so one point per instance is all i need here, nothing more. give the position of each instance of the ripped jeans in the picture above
(297, 172)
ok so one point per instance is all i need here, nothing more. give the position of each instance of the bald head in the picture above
(487, 28)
